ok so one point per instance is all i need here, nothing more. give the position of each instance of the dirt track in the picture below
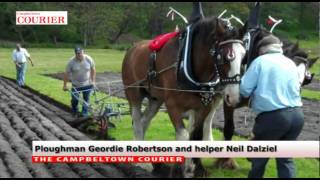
(25, 117)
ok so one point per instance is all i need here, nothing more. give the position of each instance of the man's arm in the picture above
(29, 58)
(66, 76)
(249, 80)
(65, 81)
(15, 60)
(93, 76)
(26, 53)
(93, 71)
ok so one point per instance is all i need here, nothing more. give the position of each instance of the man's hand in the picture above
(94, 85)
(19, 66)
(31, 61)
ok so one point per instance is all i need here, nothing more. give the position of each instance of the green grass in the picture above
(315, 95)
(54, 60)
(316, 69)
(49, 61)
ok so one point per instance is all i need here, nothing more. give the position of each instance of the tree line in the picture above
(94, 23)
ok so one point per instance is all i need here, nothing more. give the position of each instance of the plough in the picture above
(103, 107)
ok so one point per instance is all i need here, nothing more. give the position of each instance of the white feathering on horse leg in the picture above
(182, 134)
(137, 124)
(207, 126)
(189, 167)
(149, 113)
(191, 120)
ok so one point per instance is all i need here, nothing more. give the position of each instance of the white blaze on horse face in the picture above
(301, 72)
(232, 91)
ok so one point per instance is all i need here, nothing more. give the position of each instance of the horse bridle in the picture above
(248, 40)
(307, 75)
(216, 53)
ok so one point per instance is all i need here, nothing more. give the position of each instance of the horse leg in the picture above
(207, 127)
(197, 134)
(176, 117)
(135, 97)
(228, 129)
(228, 132)
(203, 131)
(191, 120)
(137, 124)
(182, 134)
(151, 110)
(141, 122)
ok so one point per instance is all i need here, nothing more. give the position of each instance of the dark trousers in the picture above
(284, 124)
(86, 90)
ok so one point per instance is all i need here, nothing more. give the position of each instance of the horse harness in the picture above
(185, 77)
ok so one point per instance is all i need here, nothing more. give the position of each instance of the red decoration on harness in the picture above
(270, 22)
(157, 43)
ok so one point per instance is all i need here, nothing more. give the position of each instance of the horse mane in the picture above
(292, 49)
(204, 28)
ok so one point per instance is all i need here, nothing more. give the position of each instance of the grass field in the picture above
(54, 60)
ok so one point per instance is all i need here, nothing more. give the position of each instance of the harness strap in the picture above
(230, 41)
(152, 74)
(305, 60)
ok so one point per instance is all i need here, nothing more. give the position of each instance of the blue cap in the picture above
(77, 49)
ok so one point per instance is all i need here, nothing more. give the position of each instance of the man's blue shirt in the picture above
(272, 82)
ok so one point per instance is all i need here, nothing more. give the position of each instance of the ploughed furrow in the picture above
(3, 170)
(14, 166)
(33, 134)
(44, 108)
(22, 150)
(17, 108)
(24, 118)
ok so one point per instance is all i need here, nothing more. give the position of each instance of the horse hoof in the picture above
(176, 172)
(161, 170)
(189, 170)
(226, 163)
(111, 125)
(109, 138)
(201, 172)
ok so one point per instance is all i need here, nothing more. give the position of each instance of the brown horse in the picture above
(209, 35)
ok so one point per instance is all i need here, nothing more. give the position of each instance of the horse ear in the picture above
(220, 30)
(243, 29)
(312, 61)
(253, 20)
(295, 47)
(197, 13)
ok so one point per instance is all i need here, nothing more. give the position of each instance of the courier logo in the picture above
(41, 17)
